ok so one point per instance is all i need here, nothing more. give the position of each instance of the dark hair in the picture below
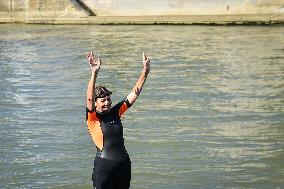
(101, 92)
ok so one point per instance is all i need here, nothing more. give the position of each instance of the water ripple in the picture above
(210, 115)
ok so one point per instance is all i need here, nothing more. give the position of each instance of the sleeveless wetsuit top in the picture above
(107, 132)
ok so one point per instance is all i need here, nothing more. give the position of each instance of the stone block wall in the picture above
(273, 6)
(13, 10)
(269, 3)
(182, 7)
(29, 10)
(5, 6)
(63, 11)
(54, 10)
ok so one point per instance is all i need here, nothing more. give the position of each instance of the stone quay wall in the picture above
(142, 12)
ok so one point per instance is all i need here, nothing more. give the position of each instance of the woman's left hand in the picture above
(146, 62)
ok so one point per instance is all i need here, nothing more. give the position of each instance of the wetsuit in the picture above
(112, 166)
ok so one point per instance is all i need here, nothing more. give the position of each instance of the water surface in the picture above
(211, 114)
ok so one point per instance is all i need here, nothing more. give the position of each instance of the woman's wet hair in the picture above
(101, 92)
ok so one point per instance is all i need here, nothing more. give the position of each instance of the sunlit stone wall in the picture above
(28, 10)
(55, 8)
(23, 10)
(183, 7)
(13, 9)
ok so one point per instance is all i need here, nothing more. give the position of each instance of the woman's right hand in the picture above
(95, 63)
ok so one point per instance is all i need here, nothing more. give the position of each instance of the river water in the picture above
(211, 114)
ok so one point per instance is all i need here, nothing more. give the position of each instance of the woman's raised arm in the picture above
(95, 64)
(136, 90)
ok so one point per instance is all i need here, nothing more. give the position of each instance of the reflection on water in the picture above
(211, 114)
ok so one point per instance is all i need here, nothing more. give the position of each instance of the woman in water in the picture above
(112, 166)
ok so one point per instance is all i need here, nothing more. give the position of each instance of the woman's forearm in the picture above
(139, 84)
(90, 90)
(136, 90)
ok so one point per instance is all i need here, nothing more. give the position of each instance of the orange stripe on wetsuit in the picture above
(106, 131)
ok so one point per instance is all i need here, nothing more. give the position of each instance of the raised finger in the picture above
(92, 54)
(144, 56)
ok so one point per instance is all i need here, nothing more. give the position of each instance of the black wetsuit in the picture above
(112, 166)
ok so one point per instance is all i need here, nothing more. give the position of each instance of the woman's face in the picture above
(103, 104)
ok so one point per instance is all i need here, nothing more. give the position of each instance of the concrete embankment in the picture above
(268, 19)
(219, 12)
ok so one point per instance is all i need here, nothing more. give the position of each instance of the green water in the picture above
(211, 114)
